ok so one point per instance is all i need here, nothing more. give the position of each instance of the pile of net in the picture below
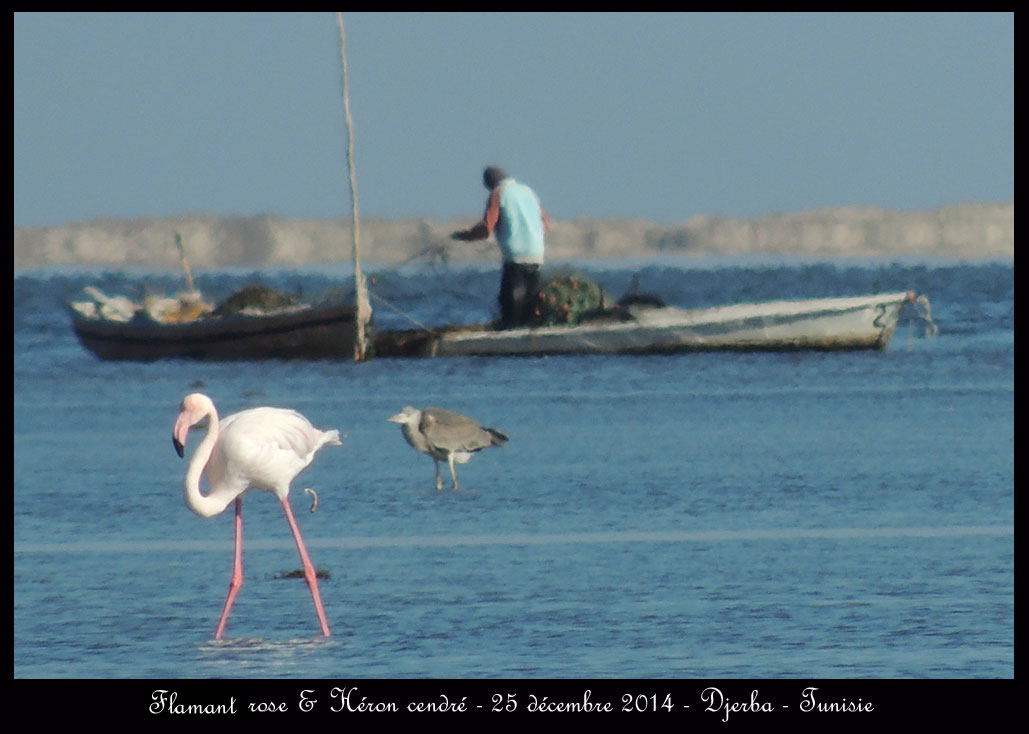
(254, 297)
(568, 299)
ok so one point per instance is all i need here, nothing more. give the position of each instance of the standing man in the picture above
(514, 214)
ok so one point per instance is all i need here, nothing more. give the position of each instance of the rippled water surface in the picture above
(699, 515)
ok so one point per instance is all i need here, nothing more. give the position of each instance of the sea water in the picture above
(726, 515)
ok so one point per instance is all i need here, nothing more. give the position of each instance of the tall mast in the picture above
(363, 306)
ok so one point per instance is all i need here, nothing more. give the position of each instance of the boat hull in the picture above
(865, 322)
(309, 333)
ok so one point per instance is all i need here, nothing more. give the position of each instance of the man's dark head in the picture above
(492, 176)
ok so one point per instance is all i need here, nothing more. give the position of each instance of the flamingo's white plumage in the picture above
(259, 448)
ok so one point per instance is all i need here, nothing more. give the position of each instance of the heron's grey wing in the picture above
(452, 431)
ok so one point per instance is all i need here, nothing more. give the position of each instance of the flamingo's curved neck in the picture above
(211, 504)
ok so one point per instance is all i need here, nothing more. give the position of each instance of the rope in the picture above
(438, 256)
(923, 310)
(436, 252)
(406, 315)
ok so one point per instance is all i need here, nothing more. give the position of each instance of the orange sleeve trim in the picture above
(492, 210)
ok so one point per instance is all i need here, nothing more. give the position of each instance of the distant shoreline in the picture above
(974, 231)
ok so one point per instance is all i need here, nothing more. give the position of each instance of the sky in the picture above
(644, 116)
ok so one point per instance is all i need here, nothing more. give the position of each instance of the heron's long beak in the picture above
(398, 418)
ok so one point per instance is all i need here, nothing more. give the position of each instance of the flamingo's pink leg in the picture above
(309, 574)
(237, 570)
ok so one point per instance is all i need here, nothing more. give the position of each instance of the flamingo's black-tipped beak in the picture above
(181, 432)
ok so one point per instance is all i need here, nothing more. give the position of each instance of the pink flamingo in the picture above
(263, 448)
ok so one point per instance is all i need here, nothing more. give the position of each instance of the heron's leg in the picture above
(439, 479)
(237, 570)
(309, 574)
(453, 474)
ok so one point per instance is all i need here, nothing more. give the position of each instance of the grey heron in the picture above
(446, 436)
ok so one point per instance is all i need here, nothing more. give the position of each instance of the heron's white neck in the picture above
(415, 437)
(215, 502)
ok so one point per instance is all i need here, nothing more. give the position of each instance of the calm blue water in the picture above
(703, 515)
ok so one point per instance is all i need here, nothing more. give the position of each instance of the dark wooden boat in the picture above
(297, 332)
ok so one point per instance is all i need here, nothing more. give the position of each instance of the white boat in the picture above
(861, 322)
